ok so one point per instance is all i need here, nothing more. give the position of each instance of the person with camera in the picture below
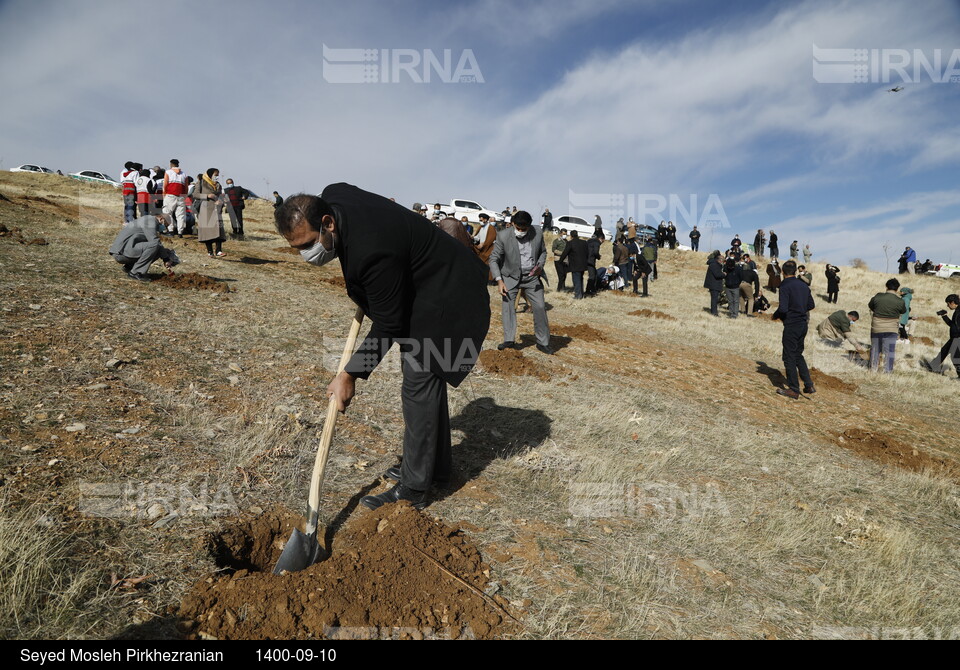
(832, 273)
(951, 349)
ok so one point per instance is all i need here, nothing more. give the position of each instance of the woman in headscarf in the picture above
(208, 194)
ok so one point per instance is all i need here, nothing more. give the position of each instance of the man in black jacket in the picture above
(593, 255)
(950, 350)
(695, 239)
(575, 255)
(732, 278)
(419, 287)
(796, 302)
(235, 197)
(714, 281)
(774, 246)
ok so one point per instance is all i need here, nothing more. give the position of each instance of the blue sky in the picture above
(584, 106)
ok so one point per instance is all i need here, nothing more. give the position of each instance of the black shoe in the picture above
(789, 393)
(809, 390)
(545, 349)
(138, 276)
(506, 345)
(128, 268)
(417, 499)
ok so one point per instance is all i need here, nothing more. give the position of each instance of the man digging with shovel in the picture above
(420, 288)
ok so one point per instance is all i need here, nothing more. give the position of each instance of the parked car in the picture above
(946, 270)
(583, 227)
(459, 208)
(95, 177)
(33, 168)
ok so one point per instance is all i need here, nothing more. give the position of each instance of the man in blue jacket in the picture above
(796, 302)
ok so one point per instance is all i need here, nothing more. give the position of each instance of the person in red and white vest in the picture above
(127, 175)
(174, 197)
(145, 187)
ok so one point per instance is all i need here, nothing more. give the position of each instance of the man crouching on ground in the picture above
(138, 246)
(419, 287)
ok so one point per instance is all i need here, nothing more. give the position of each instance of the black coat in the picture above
(575, 253)
(733, 277)
(593, 252)
(833, 280)
(412, 280)
(714, 278)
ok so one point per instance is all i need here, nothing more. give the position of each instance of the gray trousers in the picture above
(534, 289)
(145, 253)
(426, 433)
(733, 301)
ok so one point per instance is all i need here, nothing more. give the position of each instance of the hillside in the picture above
(646, 482)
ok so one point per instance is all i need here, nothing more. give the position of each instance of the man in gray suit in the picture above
(138, 246)
(517, 263)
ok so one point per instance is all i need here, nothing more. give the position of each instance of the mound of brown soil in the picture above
(580, 331)
(653, 314)
(930, 319)
(394, 573)
(926, 341)
(824, 381)
(510, 363)
(191, 280)
(888, 450)
(624, 294)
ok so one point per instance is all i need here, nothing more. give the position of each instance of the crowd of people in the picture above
(185, 202)
(515, 254)
(400, 272)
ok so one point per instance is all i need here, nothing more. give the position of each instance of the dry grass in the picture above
(654, 487)
(42, 585)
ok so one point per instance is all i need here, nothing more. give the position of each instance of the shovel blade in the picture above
(300, 552)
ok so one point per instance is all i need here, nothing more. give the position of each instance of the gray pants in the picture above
(426, 434)
(733, 301)
(144, 254)
(534, 289)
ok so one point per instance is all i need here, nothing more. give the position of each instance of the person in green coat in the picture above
(905, 326)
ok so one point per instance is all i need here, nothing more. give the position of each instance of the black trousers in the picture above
(949, 352)
(591, 279)
(793, 360)
(715, 302)
(832, 296)
(426, 435)
(561, 269)
(645, 280)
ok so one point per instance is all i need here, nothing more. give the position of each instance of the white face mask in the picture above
(318, 254)
(520, 234)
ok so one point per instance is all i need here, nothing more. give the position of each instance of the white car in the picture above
(95, 177)
(582, 226)
(459, 208)
(946, 271)
(33, 168)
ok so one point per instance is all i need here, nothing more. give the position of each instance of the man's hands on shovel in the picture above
(343, 388)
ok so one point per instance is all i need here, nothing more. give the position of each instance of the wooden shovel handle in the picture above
(326, 437)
